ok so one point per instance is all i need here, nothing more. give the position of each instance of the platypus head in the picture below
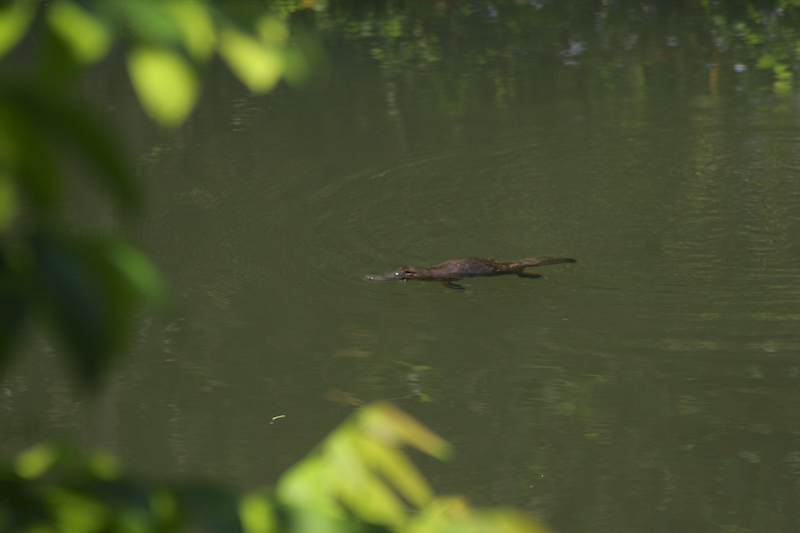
(399, 274)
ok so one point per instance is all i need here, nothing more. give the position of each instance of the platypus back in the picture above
(542, 261)
(469, 267)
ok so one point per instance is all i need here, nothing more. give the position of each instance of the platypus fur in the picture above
(469, 267)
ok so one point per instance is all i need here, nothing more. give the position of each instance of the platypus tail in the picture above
(540, 261)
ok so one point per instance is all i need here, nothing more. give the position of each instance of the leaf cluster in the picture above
(89, 288)
(357, 480)
(167, 44)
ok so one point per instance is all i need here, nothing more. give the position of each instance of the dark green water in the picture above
(652, 386)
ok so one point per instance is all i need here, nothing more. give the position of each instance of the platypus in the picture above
(469, 267)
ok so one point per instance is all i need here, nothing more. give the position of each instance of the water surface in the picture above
(652, 386)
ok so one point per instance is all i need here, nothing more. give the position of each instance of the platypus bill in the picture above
(469, 267)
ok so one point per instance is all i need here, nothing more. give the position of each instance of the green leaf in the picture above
(27, 154)
(36, 461)
(308, 485)
(381, 507)
(456, 515)
(8, 201)
(88, 37)
(150, 21)
(91, 289)
(257, 514)
(363, 457)
(166, 84)
(38, 115)
(272, 30)
(13, 307)
(303, 57)
(386, 422)
(15, 17)
(138, 272)
(73, 511)
(258, 65)
(195, 22)
(77, 303)
(398, 470)
(104, 466)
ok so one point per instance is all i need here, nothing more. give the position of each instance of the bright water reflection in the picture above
(651, 386)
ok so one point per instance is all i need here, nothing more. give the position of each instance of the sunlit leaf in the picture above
(88, 36)
(307, 484)
(74, 511)
(392, 425)
(104, 465)
(15, 17)
(36, 461)
(195, 22)
(341, 460)
(439, 515)
(309, 520)
(373, 501)
(258, 65)
(358, 460)
(257, 514)
(166, 84)
(352, 476)
(395, 467)
(454, 514)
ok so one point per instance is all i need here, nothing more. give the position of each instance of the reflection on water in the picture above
(652, 386)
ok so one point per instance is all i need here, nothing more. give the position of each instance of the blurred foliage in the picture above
(357, 480)
(89, 288)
